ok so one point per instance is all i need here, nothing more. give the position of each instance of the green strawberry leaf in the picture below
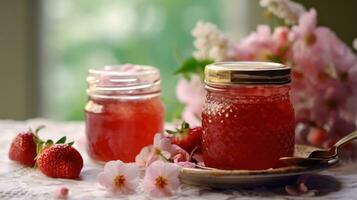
(62, 140)
(192, 66)
(184, 128)
(71, 143)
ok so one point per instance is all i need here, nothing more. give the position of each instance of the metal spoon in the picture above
(320, 156)
(299, 161)
(333, 151)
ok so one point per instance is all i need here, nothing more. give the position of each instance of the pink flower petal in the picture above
(167, 172)
(119, 178)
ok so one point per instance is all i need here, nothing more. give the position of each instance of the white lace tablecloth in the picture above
(17, 182)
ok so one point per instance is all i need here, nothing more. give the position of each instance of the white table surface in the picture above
(17, 182)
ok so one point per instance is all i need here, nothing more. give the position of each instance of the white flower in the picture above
(210, 42)
(119, 177)
(287, 10)
(161, 179)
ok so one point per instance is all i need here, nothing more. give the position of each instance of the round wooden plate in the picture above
(216, 178)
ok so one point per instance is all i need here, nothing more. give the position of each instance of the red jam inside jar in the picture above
(248, 120)
(124, 111)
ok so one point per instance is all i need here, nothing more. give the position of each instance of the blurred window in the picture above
(81, 34)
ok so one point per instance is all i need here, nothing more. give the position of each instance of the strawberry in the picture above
(60, 160)
(187, 138)
(23, 147)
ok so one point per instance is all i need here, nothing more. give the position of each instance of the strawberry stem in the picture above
(39, 128)
(41, 144)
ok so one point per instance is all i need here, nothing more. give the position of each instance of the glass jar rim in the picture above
(123, 81)
(247, 73)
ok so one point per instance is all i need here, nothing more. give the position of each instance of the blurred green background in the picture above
(47, 46)
(89, 33)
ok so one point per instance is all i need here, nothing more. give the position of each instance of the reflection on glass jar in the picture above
(248, 120)
(124, 111)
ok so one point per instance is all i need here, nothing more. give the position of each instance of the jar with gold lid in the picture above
(248, 120)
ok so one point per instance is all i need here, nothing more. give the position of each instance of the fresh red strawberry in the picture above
(60, 161)
(23, 147)
(186, 137)
(317, 136)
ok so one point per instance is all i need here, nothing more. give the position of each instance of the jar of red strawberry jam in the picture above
(124, 111)
(247, 120)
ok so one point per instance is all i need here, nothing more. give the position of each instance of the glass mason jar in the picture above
(124, 111)
(248, 120)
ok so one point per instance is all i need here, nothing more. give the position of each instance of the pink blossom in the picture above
(306, 25)
(62, 193)
(186, 164)
(161, 179)
(198, 158)
(191, 93)
(146, 156)
(263, 45)
(161, 149)
(325, 85)
(179, 154)
(281, 36)
(119, 178)
(256, 46)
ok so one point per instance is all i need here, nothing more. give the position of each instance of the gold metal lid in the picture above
(226, 73)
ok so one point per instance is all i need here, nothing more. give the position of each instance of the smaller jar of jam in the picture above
(247, 120)
(124, 111)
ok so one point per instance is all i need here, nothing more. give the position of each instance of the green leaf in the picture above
(71, 143)
(62, 140)
(193, 66)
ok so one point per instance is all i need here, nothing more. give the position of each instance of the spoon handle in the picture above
(346, 139)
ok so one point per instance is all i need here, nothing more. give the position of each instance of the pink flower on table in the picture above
(191, 93)
(146, 156)
(198, 158)
(161, 179)
(161, 149)
(120, 178)
(179, 154)
(186, 164)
